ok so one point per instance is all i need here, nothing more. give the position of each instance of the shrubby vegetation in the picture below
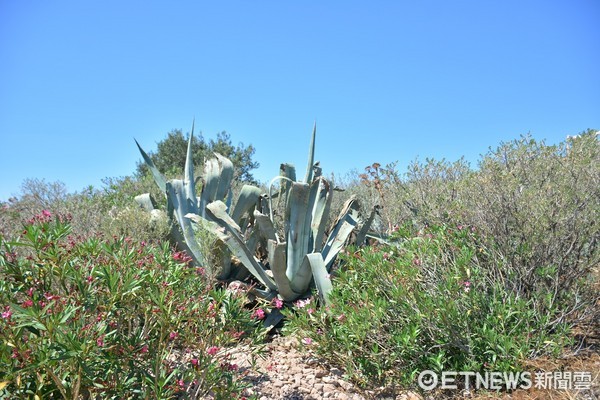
(482, 268)
(111, 318)
(492, 265)
(430, 302)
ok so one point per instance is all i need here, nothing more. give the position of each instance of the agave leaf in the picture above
(287, 171)
(361, 236)
(218, 173)
(246, 201)
(321, 276)
(343, 227)
(274, 317)
(145, 201)
(303, 277)
(226, 266)
(210, 179)
(298, 227)
(311, 156)
(190, 184)
(225, 178)
(278, 267)
(319, 205)
(160, 180)
(217, 211)
(267, 229)
(179, 205)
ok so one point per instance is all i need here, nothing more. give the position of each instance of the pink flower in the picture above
(173, 335)
(211, 351)
(100, 341)
(466, 286)
(144, 349)
(194, 362)
(181, 383)
(230, 367)
(302, 303)
(277, 303)
(27, 303)
(258, 314)
(310, 311)
(307, 341)
(46, 214)
(50, 296)
(417, 262)
(341, 317)
(7, 314)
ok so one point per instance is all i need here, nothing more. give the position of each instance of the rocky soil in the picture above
(287, 370)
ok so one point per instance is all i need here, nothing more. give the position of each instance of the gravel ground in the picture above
(283, 372)
(288, 371)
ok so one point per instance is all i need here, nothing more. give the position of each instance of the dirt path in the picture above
(283, 372)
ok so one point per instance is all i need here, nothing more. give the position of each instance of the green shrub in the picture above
(111, 319)
(536, 206)
(110, 210)
(431, 303)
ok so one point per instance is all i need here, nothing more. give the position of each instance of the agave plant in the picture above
(182, 200)
(303, 258)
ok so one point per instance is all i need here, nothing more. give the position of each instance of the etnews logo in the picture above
(562, 380)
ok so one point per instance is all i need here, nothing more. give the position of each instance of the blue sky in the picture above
(385, 80)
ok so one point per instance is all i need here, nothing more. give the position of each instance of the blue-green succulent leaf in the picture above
(277, 262)
(347, 221)
(160, 180)
(311, 156)
(321, 276)
(230, 233)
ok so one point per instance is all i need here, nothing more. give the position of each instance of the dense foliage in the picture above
(430, 302)
(111, 319)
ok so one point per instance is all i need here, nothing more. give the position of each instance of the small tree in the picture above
(171, 152)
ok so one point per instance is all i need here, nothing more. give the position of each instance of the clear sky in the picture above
(385, 80)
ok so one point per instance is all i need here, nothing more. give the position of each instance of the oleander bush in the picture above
(112, 318)
(429, 302)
